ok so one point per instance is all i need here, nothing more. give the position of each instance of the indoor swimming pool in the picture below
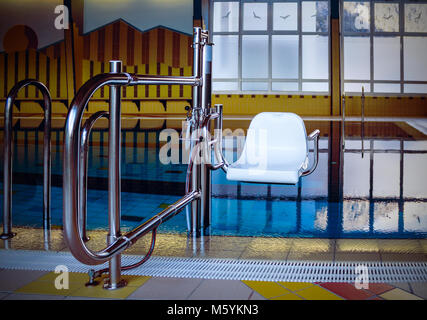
(371, 182)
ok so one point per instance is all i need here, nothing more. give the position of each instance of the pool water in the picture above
(375, 188)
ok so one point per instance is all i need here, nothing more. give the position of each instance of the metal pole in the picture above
(196, 114)
(205, 174)
(114, 188)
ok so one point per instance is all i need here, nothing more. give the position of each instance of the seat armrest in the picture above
(314, 136)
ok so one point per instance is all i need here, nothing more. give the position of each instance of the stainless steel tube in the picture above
(314, 136)
(219, 155)
(114, 179)
(205, 174)
(8, 153)
(84, 148)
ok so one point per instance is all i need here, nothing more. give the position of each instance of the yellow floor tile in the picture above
(357, 245)
(134, 282)
(46, 287)
(317, 293)
(295, 286)
(400, 246)
(266, 289)
(74, 277)
(399, 294)
(289, 296)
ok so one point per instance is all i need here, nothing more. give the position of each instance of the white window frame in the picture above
(269, 32)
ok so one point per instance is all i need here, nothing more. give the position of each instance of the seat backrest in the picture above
(275, 139)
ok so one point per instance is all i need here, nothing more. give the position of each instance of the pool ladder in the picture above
(8, 155)
(75, 163)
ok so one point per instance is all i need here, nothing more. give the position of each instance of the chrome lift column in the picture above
(114, 180)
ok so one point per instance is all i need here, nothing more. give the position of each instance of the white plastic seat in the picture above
(276, 150)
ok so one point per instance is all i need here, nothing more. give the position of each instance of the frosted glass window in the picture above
(356, 87)
(387, 87)
(356, 173)
(226, 56)
(415, 176)
(255, 86)
(255, 56)
(414, 57)
(386, 180)
(315, 59)
(284, 86)
(415, 145)
(355, 216)
(387, 58)
(386, 144)
(285, 57)
(357, 58)
(387, 17)
(226, 17)
(315, 16)
(415, 216)
(415, 88)
(416, 17)
(225, 86)
(254, 16)
(356, 16)
(386, 217)
(315, 86)
(285, 16)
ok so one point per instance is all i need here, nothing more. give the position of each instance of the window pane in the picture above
(357, 58)
(315, 16)
(255, 16)
(387, 87)
(284, 86)
(226, 17)
(386, 175)
(315, 86)
(226, 55)
(315, 60)
(255, 86)
(387, 17)
(415, 216)
(356, 87)
(356, 16)
(415, 88)
(415, 176)
(386, 217)
(225, 86)
(414, 57)
(285, 16)
(356, 172)
(355, 216)
(386, 58)
(416, 17)
(285, 57)
(255, 56)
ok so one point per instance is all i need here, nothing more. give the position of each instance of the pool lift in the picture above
(282, 158)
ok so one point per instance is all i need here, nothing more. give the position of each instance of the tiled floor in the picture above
(40, 285)
(35, 285)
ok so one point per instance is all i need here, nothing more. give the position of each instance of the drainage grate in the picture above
(228, 269)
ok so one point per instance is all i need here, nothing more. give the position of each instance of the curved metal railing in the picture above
(8, 154)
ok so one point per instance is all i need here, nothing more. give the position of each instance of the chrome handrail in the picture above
(314, 136)
(84, 148)
(74, 170)
(8, 153)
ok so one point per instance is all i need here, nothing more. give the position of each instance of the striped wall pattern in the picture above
(159, 52)
(46, 65)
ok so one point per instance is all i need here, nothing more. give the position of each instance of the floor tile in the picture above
(404, 257)
(11, 280)
(256, 296)
(402, 285)
(347, 291)
(221, 290)
(405, 246)
(419, 289)
(20, 296)
(379, 288)
(48, 288)
(266, 288)
(288, 296)
(166, 289)
(399, 294)
(357, 256)
(296, 286)
(317, 293)
(357, 245)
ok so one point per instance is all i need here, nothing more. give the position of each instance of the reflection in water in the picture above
(382, 194)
